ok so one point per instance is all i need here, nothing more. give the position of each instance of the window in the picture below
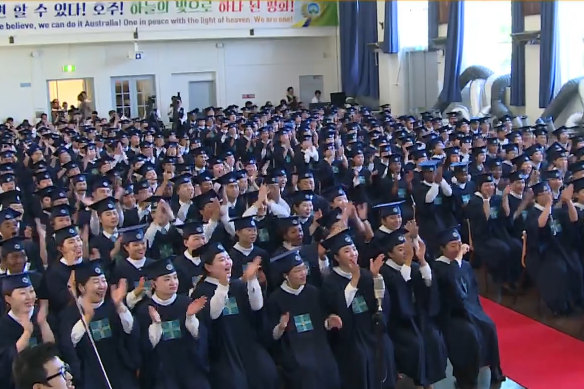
(412, 24)
(131, 95)
(487, 35)
(67, 91)
(571, 41)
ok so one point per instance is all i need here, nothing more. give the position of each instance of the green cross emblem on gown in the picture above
(171, 330)
(100, 329)
(303, 323)
(231, 307)
(358, 305)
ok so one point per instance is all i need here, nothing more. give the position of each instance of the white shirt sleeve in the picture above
(432, 193)
(132, 299)
(229, 226)
(350, 292)
(254, 292)
(127, 320)
(323, 266)
(192, 324)
(251, 211)
(120, 215)
(278, 210)
(94, 223)
(406, 272)
(218, 301)
(150, 234)
(446, 189)
(426, 272)
(77, 332)
(209, 228)
(155, 333)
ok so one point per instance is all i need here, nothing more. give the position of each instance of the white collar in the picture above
(579, 206)
(166, 227)
(519, 197)
(538, 206)
(443, 259)
(242, 249)
(286, 288)
(13, 316)
(391, 263)
(195, 260)
(109, 236)
(94, 305)
(428, 183)
(137, 263)
(342, 273)
(183, 204)
(26, 269)
(479, 194)
(303, 219)
(385, 229)
(162, 302)
(289, 247)
(77, 261)
(212, 280)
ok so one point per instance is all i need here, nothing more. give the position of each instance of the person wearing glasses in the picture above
(23, 325)
(40, 367)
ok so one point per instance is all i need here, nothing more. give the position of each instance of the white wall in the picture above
(532, 109)
(260, 66)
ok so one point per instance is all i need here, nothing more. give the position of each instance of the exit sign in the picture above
(68, 68)
(248, 96)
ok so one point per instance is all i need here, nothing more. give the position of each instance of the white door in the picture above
(309, 84)
(201, 94)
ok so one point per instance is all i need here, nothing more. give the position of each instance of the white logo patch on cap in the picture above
(294, 221)
(17, 246)
(348, 239)
(97, 270)
(25, 280)
(110, 206)
(402, 238)
(169, 267)
(139, 235)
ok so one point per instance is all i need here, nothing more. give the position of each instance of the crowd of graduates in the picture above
(267, 248)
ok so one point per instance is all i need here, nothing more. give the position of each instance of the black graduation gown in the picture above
(551, 263)
(103, 244)
(188, 273)
(237, 359)
(124, 269)
(119, 352)
(471, 336)
(11, 331)
(266, 236)
(178, 361)
(430, 216)
(55, 283)
(166, 245)
(356, 343)
(241, 260)
(303, 350)
(419, 347)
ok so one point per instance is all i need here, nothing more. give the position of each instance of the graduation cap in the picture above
(244, 222)
(336, 242)
(215, 161)
(354, 152)
(10, 282)
(389, 209)
(44, 175)
(479, 150)
(559, 131)
(132, 234)
(159, 268)
(332, 193)
(520, 160)
(492, 141)
(576, 167)
(12, 245)
(87, 269)
(208, 251)
(144, 169)
(45, 192)
(192, 228)
(302, 196)
(509, 147)
(182, 179)
(418, 154)
(540, 187)
(287, 222)
(10, 197)
(226, 179)
(547, 175)
(140, 185)
(517, 176)
(494, 162)
(454, 150)
(330, 218)
(305, 175)
(284, 262)
(205, 198)
(396, 238)
(533, 149)
(104, 205)
(448, 235)
(483, 179)
(429, 166)
(65, 233)
(8, 214)
(578, 185)
(203, 176)
(101, 182)
(459, 167)
(61, 210)
(241, 174)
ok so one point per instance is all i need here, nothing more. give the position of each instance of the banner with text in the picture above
(62, 17)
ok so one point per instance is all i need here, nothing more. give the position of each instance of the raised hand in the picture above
(196, 305)
(252, 269)
(154, 315)
(139, 290)
(375, 264)
(42, 314)
(567, 194)
(412, 228)
(409, 252)
(26, 324)
(284, 319)
(355, 273)
(421, 252)
(71, 284)
(334, 321)
(362, 211)
(119, 292)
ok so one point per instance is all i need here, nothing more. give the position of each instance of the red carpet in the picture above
(534, 355)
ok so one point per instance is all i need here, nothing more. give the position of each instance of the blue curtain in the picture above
(548, 52)
(432, 23)
(357, 28)
(517, 56)
(453, 56)
(390, 31)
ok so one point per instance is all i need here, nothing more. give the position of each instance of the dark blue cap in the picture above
(132, 234)
(332, 193)
(448, 235)
(61, 210)
(337, 241)
(389, 209)
(301, 196)
(87, 269)
(428, 166)
(102, 182)
(208, 251)
(14, 281)
(192, 228)
(290, 221)
(483, 178)
(396, 238)
(517, 176)
(107, 204)
(12, 245)
(540, 187)
(65, 233)
(8, 214)
(205, 198)
(284, 262)
(551, 174)
(159, 268)
(244, 222)
(182, 179)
